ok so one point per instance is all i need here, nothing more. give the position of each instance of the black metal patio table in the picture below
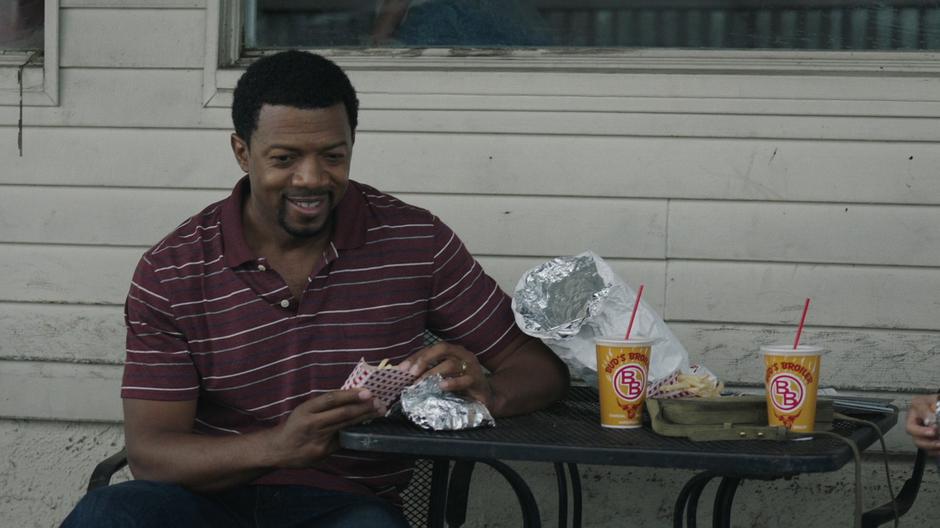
(568, 432)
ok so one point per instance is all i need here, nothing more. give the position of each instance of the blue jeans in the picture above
(145, 504)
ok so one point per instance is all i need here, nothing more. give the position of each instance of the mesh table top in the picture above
(569, 431)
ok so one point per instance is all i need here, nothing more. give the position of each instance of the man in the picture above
(244, 322)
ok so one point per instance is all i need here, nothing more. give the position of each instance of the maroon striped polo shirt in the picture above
(209, 320)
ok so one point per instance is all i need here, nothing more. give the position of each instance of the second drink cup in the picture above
(622, 373)
(791, 377)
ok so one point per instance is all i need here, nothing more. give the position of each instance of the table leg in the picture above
(458, 492)
(530, 510)
(562, 495)
(575, 495)
(721, 515)
(438, 499)
(687, 501)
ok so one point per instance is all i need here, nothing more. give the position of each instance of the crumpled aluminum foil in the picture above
(429, 407)
(557, 297)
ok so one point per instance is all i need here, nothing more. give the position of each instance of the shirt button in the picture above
(261, 267)
(285, 303)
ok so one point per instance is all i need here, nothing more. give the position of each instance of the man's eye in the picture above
(334, 157)
(285, 158)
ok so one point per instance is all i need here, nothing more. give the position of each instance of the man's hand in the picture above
(458, 366)
(922, 423)
(524, 376)
(310, 432)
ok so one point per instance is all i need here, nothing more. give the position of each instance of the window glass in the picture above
(21, 24)
(697, 24)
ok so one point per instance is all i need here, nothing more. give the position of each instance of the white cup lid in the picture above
(788, 350)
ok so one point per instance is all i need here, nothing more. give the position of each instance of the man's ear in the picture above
(240, 149)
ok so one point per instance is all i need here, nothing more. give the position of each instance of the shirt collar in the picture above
(237, 251)
(350, 222)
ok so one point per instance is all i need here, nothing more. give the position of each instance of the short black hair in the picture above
(291, 78)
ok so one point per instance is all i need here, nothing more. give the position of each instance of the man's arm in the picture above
(525, 375)
(162, 446)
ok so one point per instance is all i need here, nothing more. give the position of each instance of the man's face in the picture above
(298, 166)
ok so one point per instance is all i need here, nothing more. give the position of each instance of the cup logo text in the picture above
(787, 391)
(629, 382)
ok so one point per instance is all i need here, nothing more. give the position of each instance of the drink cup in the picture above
(622, 368)
(791, 377)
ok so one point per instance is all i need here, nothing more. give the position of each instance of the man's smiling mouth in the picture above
(309, 204)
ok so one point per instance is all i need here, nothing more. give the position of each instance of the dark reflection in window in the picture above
(21, 24)
(728, 24)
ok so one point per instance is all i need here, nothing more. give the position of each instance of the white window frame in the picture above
(41, 75)
(785, 83)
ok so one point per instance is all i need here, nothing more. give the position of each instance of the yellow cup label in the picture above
(622, 376)
(791, 383)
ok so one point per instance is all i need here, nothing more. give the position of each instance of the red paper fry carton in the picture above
(385, 384)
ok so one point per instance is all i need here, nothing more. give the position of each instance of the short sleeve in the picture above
(158, 365)
(467, 306)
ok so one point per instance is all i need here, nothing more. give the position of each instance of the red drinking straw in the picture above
(799, 330)
(636, 305)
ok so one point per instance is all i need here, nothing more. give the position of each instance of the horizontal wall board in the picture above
(779, 232)
(742, 169)
(658, 103)
(547, 226)
(71, 215)
(856, 359)
(60, 391)
(668, 125)
(171, 158)
(67, 274)
(62, 332)
(487, 224)
(657, 86)
(136, 38)
(757, 292)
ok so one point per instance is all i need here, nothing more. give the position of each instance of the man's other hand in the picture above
(310, 431)
(458, 366)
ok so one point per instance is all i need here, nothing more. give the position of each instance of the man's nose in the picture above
(309, 173)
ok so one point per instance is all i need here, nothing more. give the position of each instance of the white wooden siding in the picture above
(157, 38)
(771, 170)
(62, 332)
(732, 195)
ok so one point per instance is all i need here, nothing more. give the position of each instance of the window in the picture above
(29, 52)
(666, 59)
(21, 24)
(691, 24)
